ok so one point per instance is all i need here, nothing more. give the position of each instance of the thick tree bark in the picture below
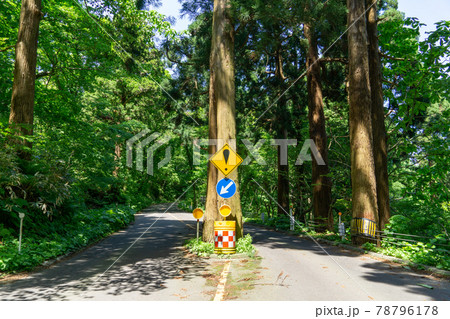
(299, 211)
(320, 180)
(301, 187)
(283, 176)
(222, 117)
(282, 125)
(364, 194)
(211, 211)
(378, 126)
(22, 100)
(117, 159)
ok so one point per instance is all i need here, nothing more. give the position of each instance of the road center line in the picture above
(220, 293)
(142, 234)
(190, 226)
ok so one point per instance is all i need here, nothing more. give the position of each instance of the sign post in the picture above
(198, 213)
(341, 227)
(21, 216)
(291, 218)
(198, 228)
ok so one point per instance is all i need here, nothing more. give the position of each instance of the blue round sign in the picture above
(226, 188)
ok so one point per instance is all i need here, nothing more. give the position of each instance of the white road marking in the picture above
(223, 280)
(190, 226)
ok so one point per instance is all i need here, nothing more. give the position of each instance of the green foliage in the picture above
(399, 224)
(420, 253)
(90, 98)
(38, 188)
(5, 233)
(199, 247)
(244, 245)
(58, 238)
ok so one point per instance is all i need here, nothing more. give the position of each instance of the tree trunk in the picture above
(22, 100)
(283, 177)
(211, 211)
(301, 188)
(282, 124)
(117, 158)
(378, 126)
(364, 194)
(298, 211)
(320, 180)
(222, 117)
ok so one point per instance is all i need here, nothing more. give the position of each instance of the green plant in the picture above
(368, 246)
(244, 245)
(58, 238)
(5, 233)
(199, 247)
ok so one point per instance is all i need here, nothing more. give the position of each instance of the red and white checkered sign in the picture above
(224, 238)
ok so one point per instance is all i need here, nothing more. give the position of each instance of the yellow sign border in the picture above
(239, 162)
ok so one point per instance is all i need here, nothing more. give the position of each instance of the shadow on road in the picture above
(362, 267)
(144, 268)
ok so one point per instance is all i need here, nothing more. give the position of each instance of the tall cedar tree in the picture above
(222, 116)
(364, 194)
(321, 181)
(378, 126)
(22, 100)
(281, 127)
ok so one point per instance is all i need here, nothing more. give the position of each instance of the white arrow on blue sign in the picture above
(226, 188)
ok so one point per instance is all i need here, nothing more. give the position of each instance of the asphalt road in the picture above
(294, 268)
(156, 268)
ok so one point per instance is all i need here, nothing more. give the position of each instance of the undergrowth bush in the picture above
(420, 253)
(86, 227)
(244, 245)
(199, 247)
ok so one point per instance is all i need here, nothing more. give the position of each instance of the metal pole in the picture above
(198, 222)
(291, 227)
(341, 227)
(21, 216)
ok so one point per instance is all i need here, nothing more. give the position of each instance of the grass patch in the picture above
(242, 277)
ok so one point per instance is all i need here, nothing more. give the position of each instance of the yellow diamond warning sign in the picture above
(226, 160)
